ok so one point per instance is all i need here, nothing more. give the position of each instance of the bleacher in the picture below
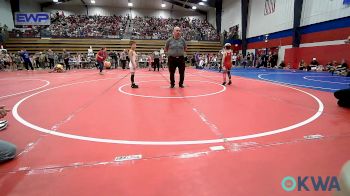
(74, 46)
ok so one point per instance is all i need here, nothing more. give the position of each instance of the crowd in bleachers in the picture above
(233, 33)
(161, 28)
(82, 26)
(88, 26)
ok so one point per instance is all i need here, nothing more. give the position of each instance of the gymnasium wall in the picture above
(338, 29)
(109, 11)
(29, 6)
(324, 40)
(6, 14)
(324, 27)
(329, 13)
(260, 24)
(276, 25)
(316, 11)
(231, 14)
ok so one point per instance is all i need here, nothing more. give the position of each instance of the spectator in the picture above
(156, 60)
(7, 150)
(26, 60)
(51, 58)
(42, 60)
(100, 58)
(313, 64)
(123, 59)
(115, 26)
(342, 69)
(274, 59)
(282, 65)
(66, 57)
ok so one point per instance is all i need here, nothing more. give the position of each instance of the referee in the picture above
(175, 48)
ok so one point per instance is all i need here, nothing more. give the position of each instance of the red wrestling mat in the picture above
(81, 133)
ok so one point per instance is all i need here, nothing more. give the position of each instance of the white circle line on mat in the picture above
(163, 143)
(331, 82)
(172, 97)
(10, 95)
(293, 84)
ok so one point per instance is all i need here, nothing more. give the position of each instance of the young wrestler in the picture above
(132, 63)
(227, 63)
(58, 68)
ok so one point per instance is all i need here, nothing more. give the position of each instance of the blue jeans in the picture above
(7, 151)
(100, 65)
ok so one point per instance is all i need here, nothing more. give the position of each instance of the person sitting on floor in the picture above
(302, 65)
(342, 69)
(7, 150)
(282, 65)
(330, 67)
(313, 65)
(320, 68)
(58, 68)
(288, 66)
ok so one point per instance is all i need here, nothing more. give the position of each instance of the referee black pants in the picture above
(174, 62)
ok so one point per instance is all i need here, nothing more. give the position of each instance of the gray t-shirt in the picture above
(65, 55)
(176, 47)
(122, 56)
(156, 54)
(50, 55)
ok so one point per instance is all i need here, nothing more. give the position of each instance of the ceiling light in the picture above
(204, 0)
(55, 1)
(201, 3)
(194, 7)
(130, 4)
(93, 1)
(163, 5)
